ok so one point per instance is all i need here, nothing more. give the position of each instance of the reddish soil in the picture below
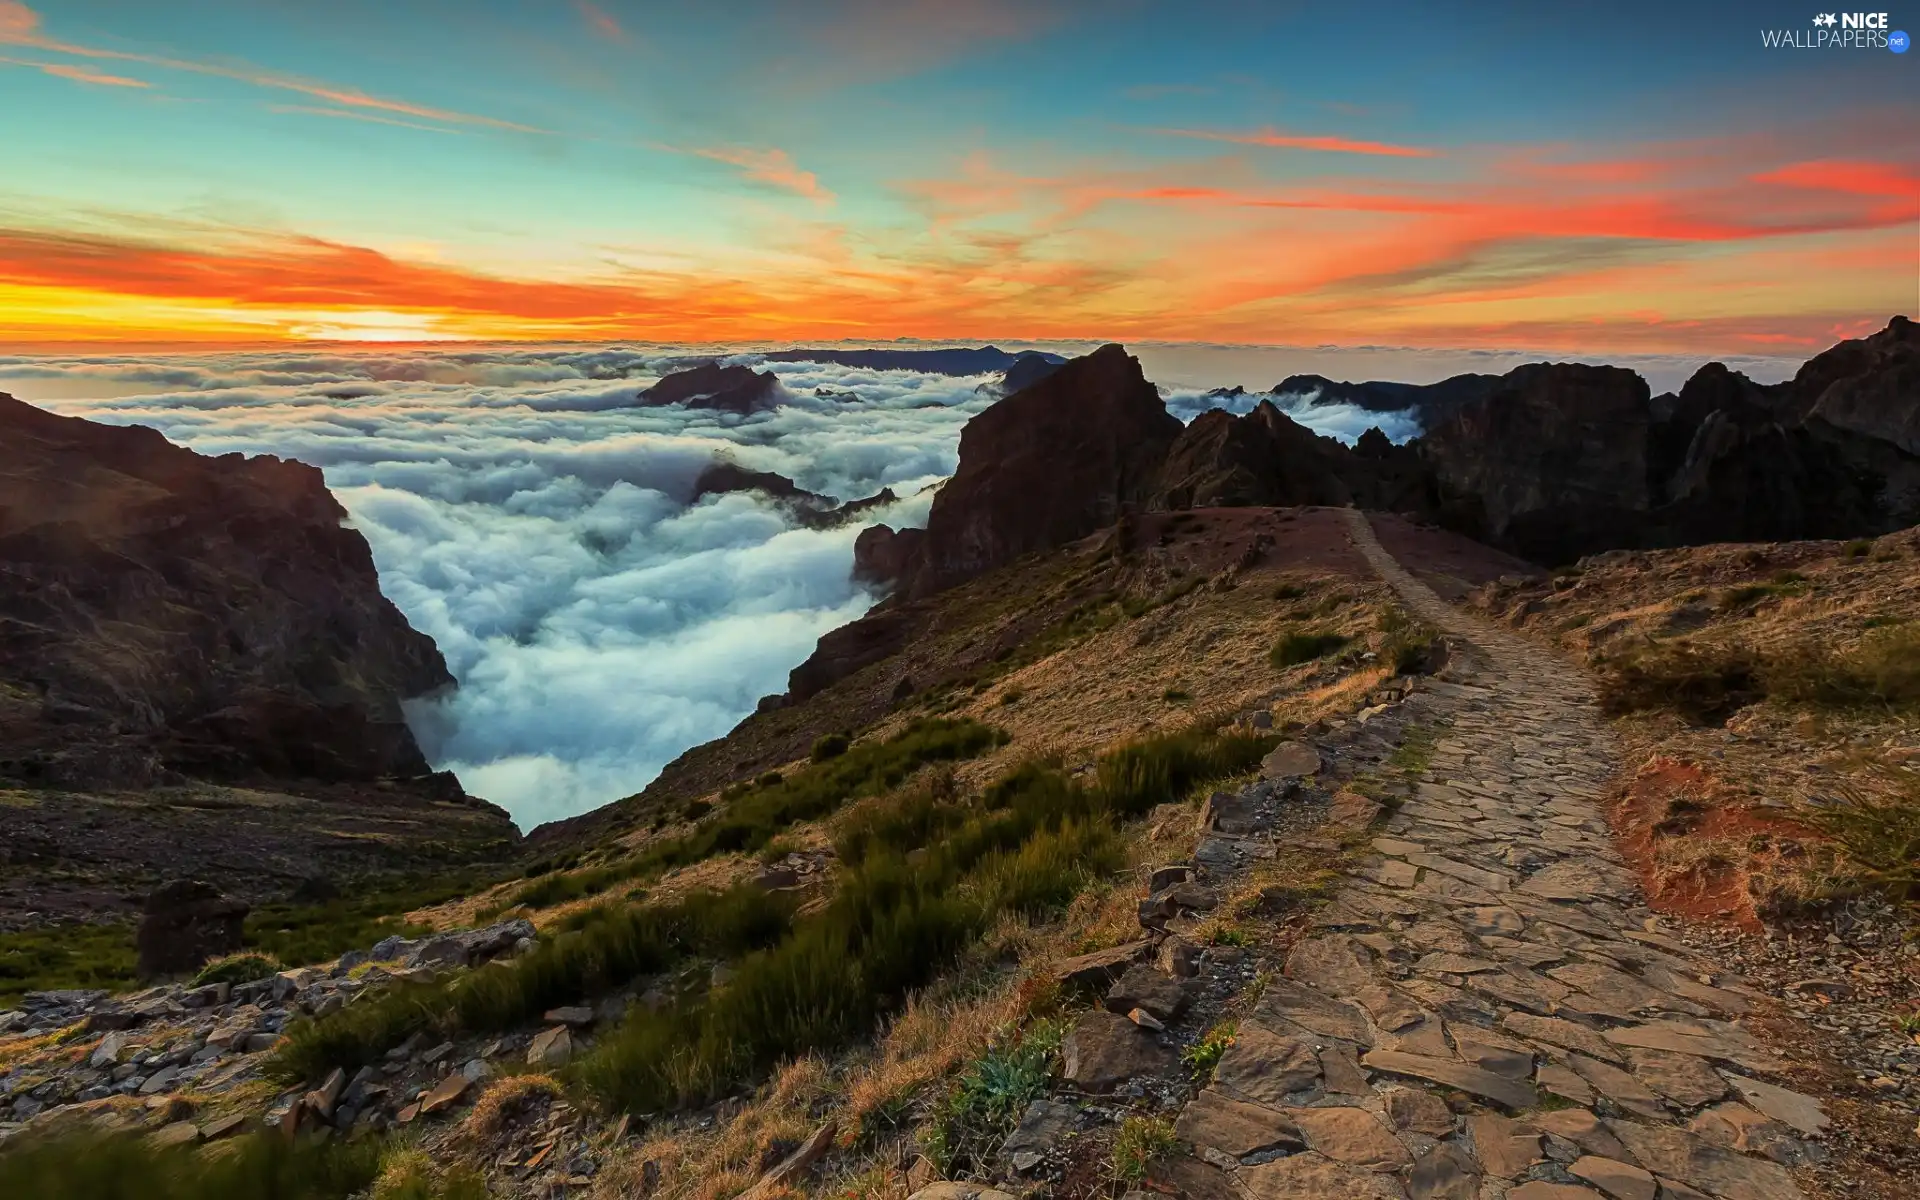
(1675, 804)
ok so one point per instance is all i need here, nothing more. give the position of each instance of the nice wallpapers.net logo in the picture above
(1839, 31)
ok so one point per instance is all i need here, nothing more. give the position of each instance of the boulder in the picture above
(186, 923)
(551, 1048)
(1105, 1050)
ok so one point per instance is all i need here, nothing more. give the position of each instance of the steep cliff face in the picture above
(1049, 464)
(165, 614)
(1555, 457)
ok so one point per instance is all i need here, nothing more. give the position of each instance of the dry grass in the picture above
(505, 1102)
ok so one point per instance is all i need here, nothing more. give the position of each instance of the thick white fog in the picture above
(540, 531)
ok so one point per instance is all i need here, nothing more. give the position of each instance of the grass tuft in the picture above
(244, 967)
(1142, 1142)
(1303, 646)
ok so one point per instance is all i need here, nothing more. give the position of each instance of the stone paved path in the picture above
(1486, 1010)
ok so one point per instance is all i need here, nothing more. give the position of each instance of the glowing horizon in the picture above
(963, 172)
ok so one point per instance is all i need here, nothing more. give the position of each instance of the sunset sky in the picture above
(1577, 176)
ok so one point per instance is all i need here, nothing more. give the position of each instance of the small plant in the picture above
(1142, 1141)
(988, 1098)
(1205, 1054)
(1011, 697)
(1175, 696)
(237, 968)
(769, 779)
(1303, 646)
(1880, 830)
(1227, 935)
(831, 745)
(1405, 646)
(1289, 591)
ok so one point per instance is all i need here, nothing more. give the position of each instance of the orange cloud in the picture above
(770, 166)
(1289, 141)
(1853, 178)
(77, 74)
(600, 20)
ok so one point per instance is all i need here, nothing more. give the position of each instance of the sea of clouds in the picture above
(541, 530)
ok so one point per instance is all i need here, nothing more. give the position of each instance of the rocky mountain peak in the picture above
(1050, 463)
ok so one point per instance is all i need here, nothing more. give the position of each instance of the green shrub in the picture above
(1302, 646)
(1406, 646)
(756, 815)
(1704, 684)
(985, 1102)
(1857, 548)
(831, 745)
(610, 946)
(66, 956)
(237, 968)
(126, 1167)
(1289, 591)
(1012, 696)
(821, 788)
(1880, 831)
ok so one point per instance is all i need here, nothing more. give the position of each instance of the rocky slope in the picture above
(173, 621)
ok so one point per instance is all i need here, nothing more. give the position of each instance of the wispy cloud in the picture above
(314, 110)
(600, 20)
(20, 26)
(1297, 141)
(76, 73)
(770, 166)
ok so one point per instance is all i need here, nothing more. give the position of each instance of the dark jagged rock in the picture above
(725, 477)
(734, 389)
(810, 509)
(1049, 464)
(1028, 369)
(882, 554)
(1267, 458)
(165, 612)
(1556, 456)
(186, 923)
(982, 360)
(1562, 461)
